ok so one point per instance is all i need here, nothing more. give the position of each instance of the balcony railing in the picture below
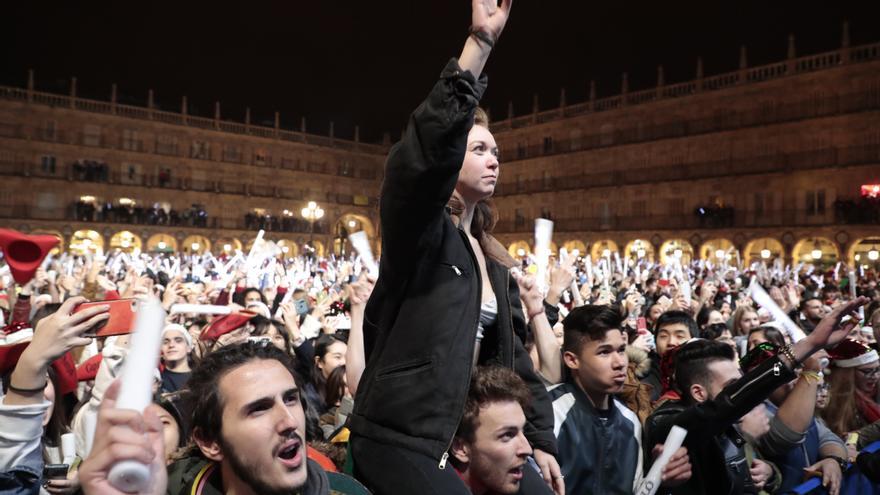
(153, 114)
(778, 218)
(800, 65)
(777, 163)
(66, 172)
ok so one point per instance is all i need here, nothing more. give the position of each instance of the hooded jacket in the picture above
(199, 476)
(420, 323)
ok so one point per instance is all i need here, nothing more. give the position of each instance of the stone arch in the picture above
(807, 249)
(86, 241)
(126, 241)
(196, 244)
(162, 243)
(638, 249)
(711, 248)
(763, 249)
(672, 248)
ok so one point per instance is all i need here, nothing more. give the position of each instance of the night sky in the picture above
(371, 62)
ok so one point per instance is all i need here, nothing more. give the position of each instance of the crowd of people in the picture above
(446, 368)
(89, 211)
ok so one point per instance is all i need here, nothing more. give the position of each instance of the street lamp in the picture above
(311, 213)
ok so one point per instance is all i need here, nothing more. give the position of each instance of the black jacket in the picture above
(421, 320)
(715, 450)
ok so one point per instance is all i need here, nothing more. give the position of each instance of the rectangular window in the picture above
(261, 158)
(50, 130)
(92, 135)
(166, 145)
(47, 164)
(231, 153)
(345, 169)
(548, 144)
(676, 206)
(130, 140)
(520, 151)
(200, 150)
(639, 208)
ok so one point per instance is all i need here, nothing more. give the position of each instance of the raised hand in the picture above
(489, 18)
(831, 330)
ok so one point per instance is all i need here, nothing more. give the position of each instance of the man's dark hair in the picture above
(590, 321)
(204, 384)
(805, 300)
(490, 384)
(676, 316)
(692, 362)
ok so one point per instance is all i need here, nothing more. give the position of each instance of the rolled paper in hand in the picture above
(673, 442)
(362, 245)
(200, 309)
(543, 236)
(68, 448)
(136, 390)
(588, 264)
(255, 247)
(853, 293)
(760, 296)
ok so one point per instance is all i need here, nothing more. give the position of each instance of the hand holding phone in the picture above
(120, 322)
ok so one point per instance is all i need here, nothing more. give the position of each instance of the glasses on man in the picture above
(869, 372)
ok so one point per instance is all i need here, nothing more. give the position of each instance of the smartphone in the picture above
(55, 471)
(301, 306)
(121, 321)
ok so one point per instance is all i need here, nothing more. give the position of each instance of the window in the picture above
(130, 140)
(345, 169)
(50, 130)
(575, 137)
(675, 206)
(166, 145)
(92, 135)
(47, 164)
(519, 219)
(231, 153)
(200, 150)
(815, 202)
(639, 208)
(548, 144)
(131, 173)
(290, 163)
(548, 181)
(520, 151)
(261, 157)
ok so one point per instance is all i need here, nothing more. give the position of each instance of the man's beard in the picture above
(249, 474)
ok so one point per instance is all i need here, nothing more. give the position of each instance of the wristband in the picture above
(839, 460)
(811, 376)
(27, 390)
(786, 351)
(483, 36)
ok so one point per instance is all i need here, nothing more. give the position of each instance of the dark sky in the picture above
(371, 62)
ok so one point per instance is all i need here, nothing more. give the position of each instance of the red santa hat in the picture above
(225, 324)
(850, 354)
(25, 253)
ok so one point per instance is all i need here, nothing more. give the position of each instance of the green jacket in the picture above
(199, 476)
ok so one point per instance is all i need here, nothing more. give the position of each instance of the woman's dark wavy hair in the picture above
(204, 383)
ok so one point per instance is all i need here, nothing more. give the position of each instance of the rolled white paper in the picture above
(543, 236)
(68, 448)
(760, 296)
(673, 442)
(200, 309)
(255, 247)
(137, 385)
(362, 245)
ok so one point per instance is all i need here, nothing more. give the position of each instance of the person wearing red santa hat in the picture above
(855, 369)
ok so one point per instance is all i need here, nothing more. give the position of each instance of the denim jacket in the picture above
(21, 459)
